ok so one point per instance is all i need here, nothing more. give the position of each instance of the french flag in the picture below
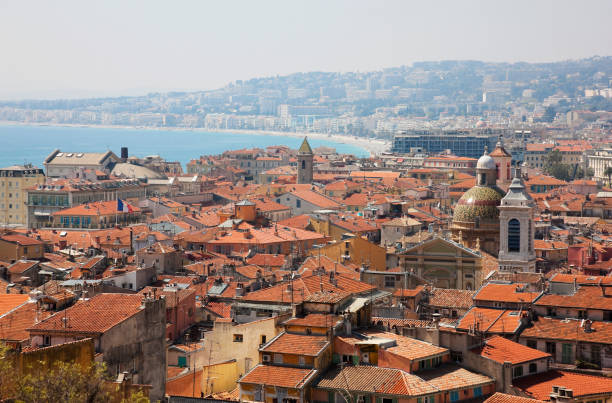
(124, 207)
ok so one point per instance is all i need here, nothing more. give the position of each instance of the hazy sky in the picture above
(86, 48)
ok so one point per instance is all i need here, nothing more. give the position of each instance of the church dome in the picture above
(486, 162)
(479, 202)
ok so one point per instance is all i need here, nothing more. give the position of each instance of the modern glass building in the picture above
(462, 143)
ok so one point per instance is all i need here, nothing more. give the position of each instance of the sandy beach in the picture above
(373, 145)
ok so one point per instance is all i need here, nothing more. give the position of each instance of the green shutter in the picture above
(355, 359)
(331, 396)
(335, 359)
(182, 362)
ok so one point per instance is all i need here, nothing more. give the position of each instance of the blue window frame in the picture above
(478, 391)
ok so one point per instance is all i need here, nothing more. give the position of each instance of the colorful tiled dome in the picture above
(479, 201)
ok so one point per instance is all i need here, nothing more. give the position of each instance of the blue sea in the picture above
(32, 144)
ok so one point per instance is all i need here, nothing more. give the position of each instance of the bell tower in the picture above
(305, 159)
(503, 161)
(516, 250)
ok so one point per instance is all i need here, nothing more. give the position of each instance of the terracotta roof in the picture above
(306, 286)
(14, 324)
(284, 377)
(505, 293)
(569, 329)
(95, 315)
(500, 151)
(298, 344)
(539, 386)
(21, 240)
(316, 198)
(451, 298)
(500, 349)
(391, 322)
(404, 292)
(581, 279)
(221, 309)
(21, 266)
(370, 379)
(586, 297)
(299, 221)
(375, 174)
(8, 302)
(504, 398)
(407, 347)
(544, 180)
(549, 245)
(451, 377)
(315, 320)
(313, 262)
(264, 259)
(252, 271)
(490, 320)
(95, 209)
(539, 146)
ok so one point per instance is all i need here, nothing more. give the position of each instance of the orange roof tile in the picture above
(306, 286)
(539, 386)
(21, 240)
(95, 209)
(14, 324)
(8, 302)
(284, 377)
(375, 379)
(318, 199)
(405, 292)
(500, 349)
(569, 329)
(298, 344)
(548, 245)
(506, 293)
(504, 398)
(266, 260)
(407, 347)
(586, 297)
(318, 320)
(95, 315)
(490, 320)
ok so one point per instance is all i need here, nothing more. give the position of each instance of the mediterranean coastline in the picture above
(32, 143)
(374, 146)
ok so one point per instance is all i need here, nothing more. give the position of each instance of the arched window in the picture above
(514, 235)
(482, 179)
(303, 164)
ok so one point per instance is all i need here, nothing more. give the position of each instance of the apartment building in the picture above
(13, 182)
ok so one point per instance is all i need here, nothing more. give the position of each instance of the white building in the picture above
(516, 249)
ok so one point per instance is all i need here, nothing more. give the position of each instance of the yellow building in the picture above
(13, 182)
(229, 340)
(355, 250)
(207, 379)
(16, 246)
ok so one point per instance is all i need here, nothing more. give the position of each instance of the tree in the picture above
(7, 372)
(63, 382)
(554, 166)
(608, 173)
